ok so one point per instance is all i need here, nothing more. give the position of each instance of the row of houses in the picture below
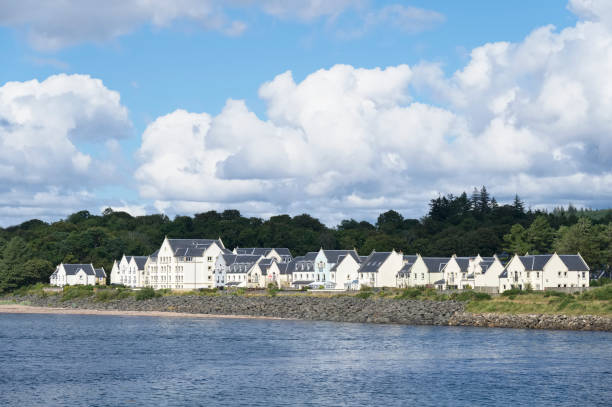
(186, 264)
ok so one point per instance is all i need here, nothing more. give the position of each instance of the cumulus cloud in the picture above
(529, 117)
(42, 169)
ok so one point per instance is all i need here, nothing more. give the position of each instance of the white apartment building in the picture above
(184, 264)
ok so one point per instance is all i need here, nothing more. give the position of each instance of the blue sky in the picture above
(159, 60)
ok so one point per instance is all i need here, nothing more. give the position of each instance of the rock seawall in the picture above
(337, 309)
(533, 321)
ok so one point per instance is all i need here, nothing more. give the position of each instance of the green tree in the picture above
(516, 240)
(540, 235)
(581, 238)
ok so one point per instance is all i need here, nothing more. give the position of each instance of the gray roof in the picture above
(100, 273)
(264, 251)
(155, 254)
(334, 255)
(435, 264)
(192, 247)
(264, 265)
(292, 265)
(282, 268)
(72, 269)
(484, 265)
(535, 261)
(351, 253)
(410, 258)
(140, 261)
(439, 282)
(463, 263)
(574, 262)
(310, 256)
(302, 282)
(373, 262)
(242, 263)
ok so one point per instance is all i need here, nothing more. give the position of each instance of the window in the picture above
(537, 274)
(209, 258)
(565, 274)
(559, 274)
(583, 274)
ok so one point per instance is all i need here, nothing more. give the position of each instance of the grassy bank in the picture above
(595, 302)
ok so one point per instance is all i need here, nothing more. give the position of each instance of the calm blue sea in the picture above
(79, 360)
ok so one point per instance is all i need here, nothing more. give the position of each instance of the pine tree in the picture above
(484, 200)
(519, 207)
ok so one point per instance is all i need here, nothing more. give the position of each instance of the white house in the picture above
(129, 271)
(324, 261)
(427, 271)
(280, 274)
(184, 263)
(403, 275)
(77, 274)
(345, 273)
(545, 271)
(303, 270)
(237, 269)
(281, 254)
(486, 273)
(455, 273)
(380, 269)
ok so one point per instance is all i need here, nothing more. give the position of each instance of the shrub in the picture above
(410, 293)
(513, 292)
(364, 295)
(146, 294)
(603, 293)
(272, 290)
(76, 291)
(600, 282)
(364, 288)
(470, 296)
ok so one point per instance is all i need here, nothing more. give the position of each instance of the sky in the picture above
(337, 108)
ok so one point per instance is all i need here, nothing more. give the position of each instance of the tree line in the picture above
(463, 225)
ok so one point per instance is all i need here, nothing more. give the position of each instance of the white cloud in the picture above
(50, 26)
(529, 117)
(41, 126)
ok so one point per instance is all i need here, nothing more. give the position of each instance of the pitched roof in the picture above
(264, 251)
(463, 263)
(292, 265)
(535, 261)
(333, 255)
(373, 262)
(282, 268)
(154, 254)
(192, 247)
(435, 264)
(574, 262)
(410, 258)
(243, 263)
(140, 261)
(72, 269)
(352, 254)
(484, 265)
(100, 273)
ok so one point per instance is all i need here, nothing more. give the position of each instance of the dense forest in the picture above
(464, 225)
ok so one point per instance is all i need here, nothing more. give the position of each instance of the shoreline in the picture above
(465, 319)
(31, 309)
